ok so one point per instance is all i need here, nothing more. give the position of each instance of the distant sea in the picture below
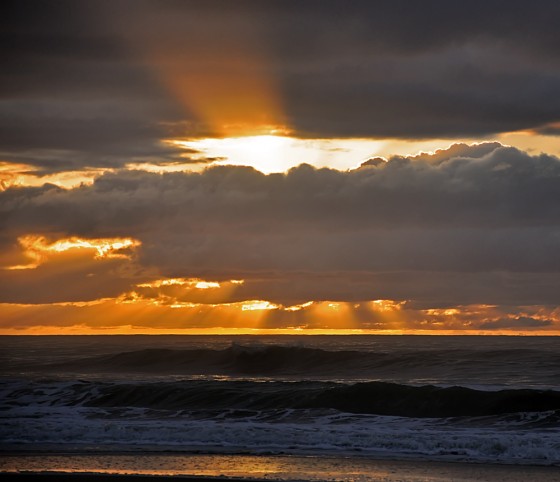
(442, 398)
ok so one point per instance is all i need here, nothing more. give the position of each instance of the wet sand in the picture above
(158, 468)
(86, 477)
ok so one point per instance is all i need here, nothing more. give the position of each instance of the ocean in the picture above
(469, 399)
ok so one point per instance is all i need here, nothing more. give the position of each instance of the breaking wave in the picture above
(283, 417)
(362, 398)
(306, 363)
(375, 398)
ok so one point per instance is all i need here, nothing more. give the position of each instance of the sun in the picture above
(267, 153)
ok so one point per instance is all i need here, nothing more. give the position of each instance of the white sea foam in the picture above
(335, 433)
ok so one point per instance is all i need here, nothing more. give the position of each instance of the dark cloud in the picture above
(88, 83)
(475, 224)
(69, 277)
(520, 322)
(456, 150)
(427, 289)
(72, 97)
(549, 130)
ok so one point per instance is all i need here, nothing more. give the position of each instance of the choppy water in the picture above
(443, 398)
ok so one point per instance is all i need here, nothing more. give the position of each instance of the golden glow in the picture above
(22, 175)
(258, 306)
(135, 330)
(112, 316)
(228, 87)
(299, 307)
(167, 167)
(204, 285)
(183, 292)
(271, 151)
(108, 247)
(278, 153)
(155, 304)
(387, 305)
(448, 312)
(165, 282)
(267, 153)
(188, 282)
(532, 142)
(227, 100)
(37, 248)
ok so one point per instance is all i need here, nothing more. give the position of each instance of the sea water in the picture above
(443, 398)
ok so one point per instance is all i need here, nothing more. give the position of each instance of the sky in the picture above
(279, 167)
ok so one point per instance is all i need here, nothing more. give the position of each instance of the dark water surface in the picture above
(462, 398)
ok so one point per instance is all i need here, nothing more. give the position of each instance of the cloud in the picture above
(93, 87)
(552, 129)
(521, 322)
(68, 270)
(130, 313)
(471, 224)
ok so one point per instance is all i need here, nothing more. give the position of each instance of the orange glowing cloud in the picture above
(20, 175)
(187, 282)
(132, 314)
(37, 249)
(179, 292)
(96, 284)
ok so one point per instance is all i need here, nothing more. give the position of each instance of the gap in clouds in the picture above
(266, 153)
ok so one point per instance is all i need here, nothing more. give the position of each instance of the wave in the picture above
(283, 417)
(275, 360)
(374, 398)
(377, 398)
(271, 359)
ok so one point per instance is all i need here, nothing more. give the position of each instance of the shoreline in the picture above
(219, 452)
(142, 467)
(98, 477)
(90, 451)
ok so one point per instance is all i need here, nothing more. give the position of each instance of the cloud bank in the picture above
(467, 225)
